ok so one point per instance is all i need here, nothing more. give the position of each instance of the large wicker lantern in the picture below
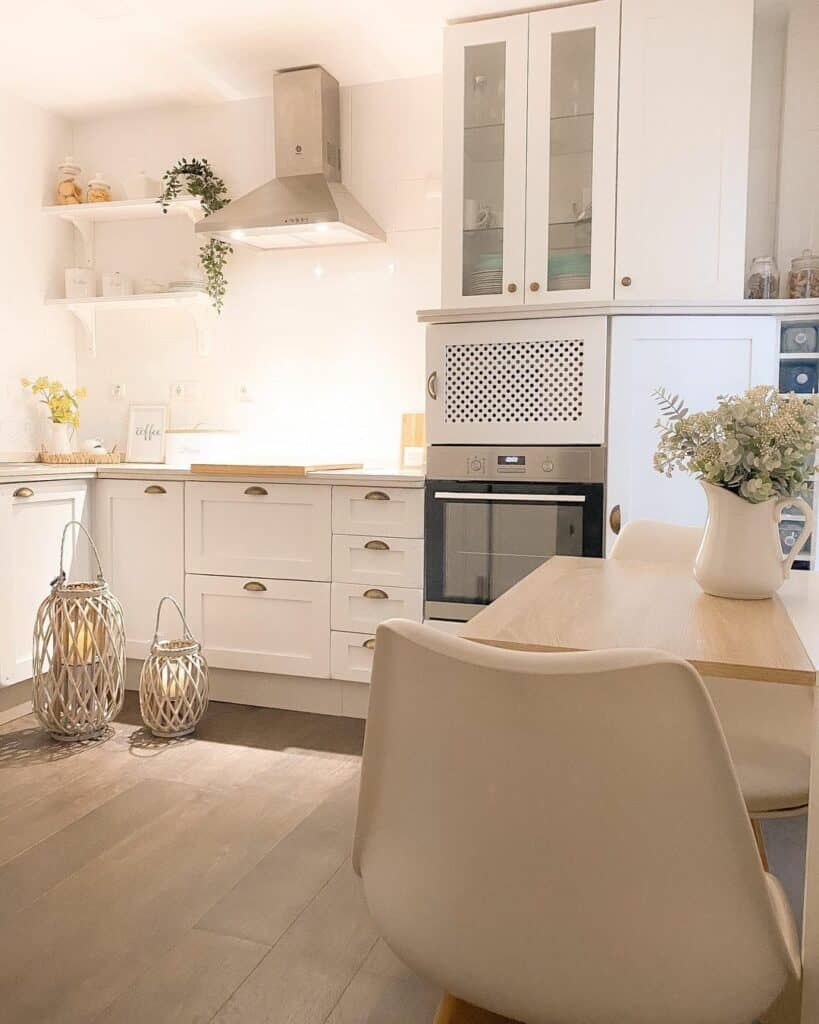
(79, 655)
(173, 687)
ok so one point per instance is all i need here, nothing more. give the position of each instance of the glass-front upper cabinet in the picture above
(530, 136)
(484, 175)
(572, 152)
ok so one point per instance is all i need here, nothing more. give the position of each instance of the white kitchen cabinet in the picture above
(351, 656)
(32, 518)
(261, 625)
(374, 511)
(361, 609)
(139, 529)
(682, 181)
(529, 163)
(698, 358)
(378, 562)
(278, 531)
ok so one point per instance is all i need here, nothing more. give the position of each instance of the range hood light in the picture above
(322, 226)
(237, 235)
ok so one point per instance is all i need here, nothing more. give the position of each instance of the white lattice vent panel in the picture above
(515, 382)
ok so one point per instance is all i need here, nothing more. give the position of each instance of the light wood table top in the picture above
(585, 604)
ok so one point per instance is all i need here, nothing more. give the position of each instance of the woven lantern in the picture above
(173, 687)
(79, 655)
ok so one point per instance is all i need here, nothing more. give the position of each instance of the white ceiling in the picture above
(85, 57)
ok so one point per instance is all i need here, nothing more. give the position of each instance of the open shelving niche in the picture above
(84, 217)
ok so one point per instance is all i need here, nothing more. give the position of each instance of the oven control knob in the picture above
(475, 466)
(547, 466)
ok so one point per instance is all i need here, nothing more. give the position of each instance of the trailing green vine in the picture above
(196, 175)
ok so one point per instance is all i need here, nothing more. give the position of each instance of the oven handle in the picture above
(543, 499)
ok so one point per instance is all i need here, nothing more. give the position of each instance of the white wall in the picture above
(33, 339)
(326, 340)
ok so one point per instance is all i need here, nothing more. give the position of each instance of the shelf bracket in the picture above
(203, 318)
(87, 317)
(85, 229)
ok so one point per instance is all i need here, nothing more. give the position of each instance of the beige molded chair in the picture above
(560, 838)
(768, 727)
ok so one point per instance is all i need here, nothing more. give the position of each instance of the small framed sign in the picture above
(147, 425)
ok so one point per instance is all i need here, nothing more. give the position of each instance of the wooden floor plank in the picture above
(189, 983)
(307, 971)
(269, 898)
(384, 991)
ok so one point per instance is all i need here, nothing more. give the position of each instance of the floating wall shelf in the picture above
(85, 215)
(196, 303)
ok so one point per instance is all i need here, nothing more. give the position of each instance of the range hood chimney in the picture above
(305, 204)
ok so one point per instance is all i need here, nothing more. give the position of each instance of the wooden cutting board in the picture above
(222, 469)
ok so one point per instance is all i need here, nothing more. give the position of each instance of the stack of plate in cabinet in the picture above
(487, 277)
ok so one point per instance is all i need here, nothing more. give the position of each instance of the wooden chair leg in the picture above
(456, 1011)
(760, 842)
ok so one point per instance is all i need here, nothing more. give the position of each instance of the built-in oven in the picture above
(494, 514)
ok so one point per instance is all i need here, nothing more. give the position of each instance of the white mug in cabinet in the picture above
(80, 283)
(116, 285)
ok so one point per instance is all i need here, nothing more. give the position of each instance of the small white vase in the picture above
(59, 438)
(741, 555)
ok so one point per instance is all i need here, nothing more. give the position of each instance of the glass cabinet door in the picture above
(572, 124)
(484, 162)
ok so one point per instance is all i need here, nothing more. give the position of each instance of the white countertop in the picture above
(369, 476)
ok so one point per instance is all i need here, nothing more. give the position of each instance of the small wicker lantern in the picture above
(79, 655)
(173, 687)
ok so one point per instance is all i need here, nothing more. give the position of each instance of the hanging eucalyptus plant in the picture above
(197, 177)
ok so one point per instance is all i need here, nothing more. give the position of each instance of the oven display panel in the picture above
(511, 463)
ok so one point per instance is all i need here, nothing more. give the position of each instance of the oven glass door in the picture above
(481, 539)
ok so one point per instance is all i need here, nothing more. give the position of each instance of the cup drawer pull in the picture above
(23, 492)
(374, 594)
(155, 489)
(376, 496)
(377, 545)
(255, 489)
(369, 644)
(255, 587)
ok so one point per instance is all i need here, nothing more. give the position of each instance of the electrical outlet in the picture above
(118, 391)
(246, 393)
(178, 391)
(186, 391)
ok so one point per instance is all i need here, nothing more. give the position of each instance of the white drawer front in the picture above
(261, 625)
(280, 531)
(387, 561)
(360, 609)
(379, 511)
(351, 656)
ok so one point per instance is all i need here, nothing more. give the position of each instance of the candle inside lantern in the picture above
(172, 678)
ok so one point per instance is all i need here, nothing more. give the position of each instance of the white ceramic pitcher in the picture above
(740, 555)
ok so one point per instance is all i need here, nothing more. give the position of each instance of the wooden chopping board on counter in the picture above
(231, 469)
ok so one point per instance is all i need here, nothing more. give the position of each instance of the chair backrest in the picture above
(647, 540)
(561, 837)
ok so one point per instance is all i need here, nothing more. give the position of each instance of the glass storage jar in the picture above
(763, 280)
(803, 280)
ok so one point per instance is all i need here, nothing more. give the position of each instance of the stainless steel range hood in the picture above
(305, 204)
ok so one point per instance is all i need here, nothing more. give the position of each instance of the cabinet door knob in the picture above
(369, 644)
(23, 492)
(376, 496)
(255, 489)
(377, 545)
(511, 287)
(255, 587)
(625, 282)
(615, 519)
(155, 489)
(432, 385)
(374, 594)
(534, 286)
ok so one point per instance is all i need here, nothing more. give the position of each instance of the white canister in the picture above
(140, 186)
(80, 283)
(116, 285)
